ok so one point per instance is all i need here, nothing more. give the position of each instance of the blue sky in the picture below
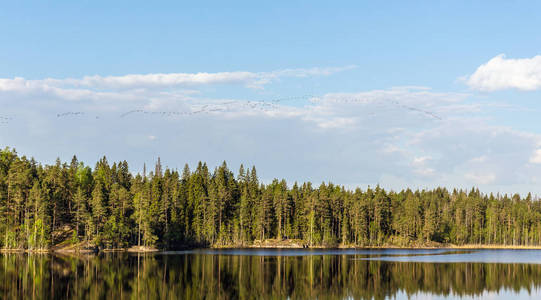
(402, 94)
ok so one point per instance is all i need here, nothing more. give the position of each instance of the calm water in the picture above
(276, 274)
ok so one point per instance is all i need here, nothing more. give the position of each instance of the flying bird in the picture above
(70, 113)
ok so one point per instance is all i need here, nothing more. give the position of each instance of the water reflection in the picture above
(224, 276)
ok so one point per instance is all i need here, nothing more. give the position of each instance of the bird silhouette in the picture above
(70, 113)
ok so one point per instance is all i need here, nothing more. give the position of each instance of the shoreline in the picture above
(341, 247)
(264, 246)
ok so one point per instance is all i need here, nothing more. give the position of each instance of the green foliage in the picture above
(108, 206)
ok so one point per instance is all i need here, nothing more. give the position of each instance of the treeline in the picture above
(110, 207)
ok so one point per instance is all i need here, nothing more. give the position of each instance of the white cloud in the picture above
(481, 178)
(479, 159)
(336, 123)
(96, 86)
(536, 157)
(421, 160)
(420, 165)
(501, 73)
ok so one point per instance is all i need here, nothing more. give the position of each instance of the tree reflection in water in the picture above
(203, 276)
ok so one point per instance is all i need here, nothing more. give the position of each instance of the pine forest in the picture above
(108, 207)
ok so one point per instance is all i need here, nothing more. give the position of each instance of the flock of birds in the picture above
(395, 103)
(227, 106)
(231, 106)
(267, 106)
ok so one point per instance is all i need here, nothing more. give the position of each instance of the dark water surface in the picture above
(275, 274)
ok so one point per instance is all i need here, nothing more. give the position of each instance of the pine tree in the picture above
(99, 211)
(80, 203)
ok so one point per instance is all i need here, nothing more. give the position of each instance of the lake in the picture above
(275, 274)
